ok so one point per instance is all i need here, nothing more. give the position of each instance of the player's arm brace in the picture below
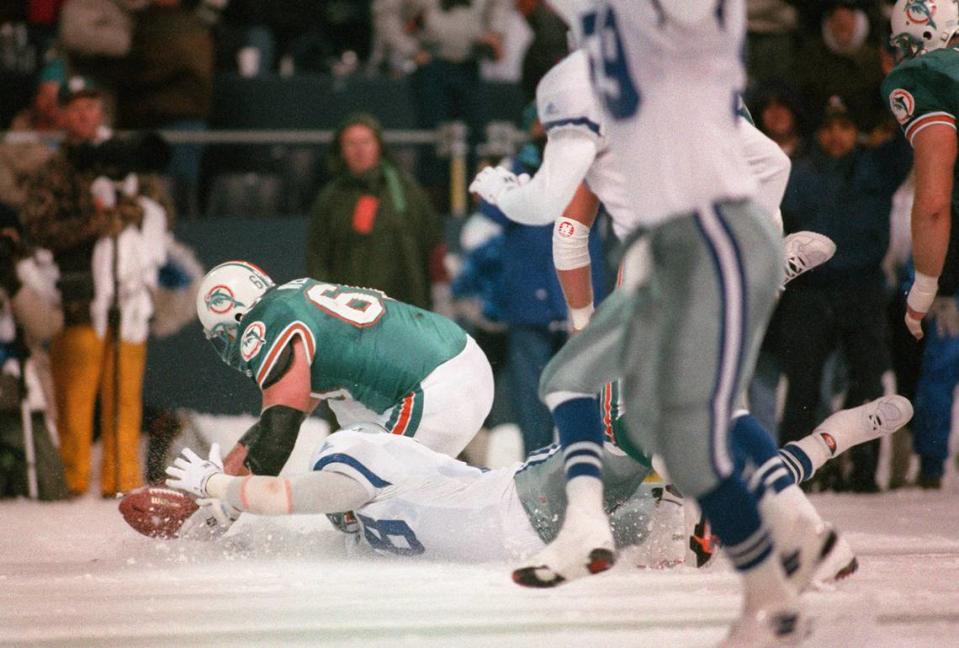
(571, 255)
(566, 159)
(265, 447)
(315, 492)
(269, 442)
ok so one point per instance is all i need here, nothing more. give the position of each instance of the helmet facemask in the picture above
(223, 337)
(227, 293)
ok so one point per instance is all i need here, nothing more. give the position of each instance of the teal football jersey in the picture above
(924, 91)
(361, 344)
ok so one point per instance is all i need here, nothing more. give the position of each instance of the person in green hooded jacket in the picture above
(372, 225)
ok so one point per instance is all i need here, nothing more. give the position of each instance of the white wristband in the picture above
(570, 244)
(579, 317)
(922, 293)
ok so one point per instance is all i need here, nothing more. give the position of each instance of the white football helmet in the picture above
(226, 294)
(921, 26)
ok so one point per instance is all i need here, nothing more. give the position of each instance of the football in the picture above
(156, 511)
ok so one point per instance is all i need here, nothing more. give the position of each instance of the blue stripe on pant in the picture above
(728, 263)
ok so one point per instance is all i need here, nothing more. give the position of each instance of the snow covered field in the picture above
(73, 574)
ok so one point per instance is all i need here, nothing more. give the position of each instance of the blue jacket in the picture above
(482, 276)
(849, 200)
(531, 290)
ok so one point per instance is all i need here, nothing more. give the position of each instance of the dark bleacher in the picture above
(259, 180)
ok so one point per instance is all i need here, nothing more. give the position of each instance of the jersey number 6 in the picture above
(357, 306)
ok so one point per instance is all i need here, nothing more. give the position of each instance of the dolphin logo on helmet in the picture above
(921, 13)
(227, 293)
(221, 300)
(922, 26)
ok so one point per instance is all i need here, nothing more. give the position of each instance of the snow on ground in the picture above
(73, 574)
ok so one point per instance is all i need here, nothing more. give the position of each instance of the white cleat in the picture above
(583, 546)
(840, 564)
(818, 544)
(878, 418)
(805, 251)
(768, 628)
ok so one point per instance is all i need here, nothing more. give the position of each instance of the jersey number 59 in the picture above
(608, 61)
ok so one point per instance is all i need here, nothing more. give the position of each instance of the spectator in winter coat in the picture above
(442, 43)
(842, 62)
(844, 192)
(372, 225)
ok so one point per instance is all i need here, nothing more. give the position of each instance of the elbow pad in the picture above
(570, 244)
(270, 442)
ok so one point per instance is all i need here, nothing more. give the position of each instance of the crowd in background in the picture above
(814, 76)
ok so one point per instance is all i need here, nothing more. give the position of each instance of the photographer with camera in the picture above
(29, 317)
(105, 223)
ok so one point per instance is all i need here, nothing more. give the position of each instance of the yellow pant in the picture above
(82, 365)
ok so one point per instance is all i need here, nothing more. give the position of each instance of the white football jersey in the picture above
(668, 75)
(564, 102)
(425, 503)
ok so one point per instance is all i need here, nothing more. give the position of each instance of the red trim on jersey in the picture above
(406, 412)
(928, 120)
(296, 328)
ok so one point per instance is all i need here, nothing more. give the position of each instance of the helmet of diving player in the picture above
(921, 26)
(226, 294)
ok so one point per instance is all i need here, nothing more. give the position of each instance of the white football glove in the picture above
(493, 182)
(210, 521)
(190, 473)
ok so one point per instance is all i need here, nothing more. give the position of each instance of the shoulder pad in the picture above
(912, 90)
(564, 98)
(283, 362)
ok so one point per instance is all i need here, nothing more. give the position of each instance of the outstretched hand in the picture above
(492, 182)
(191, 473)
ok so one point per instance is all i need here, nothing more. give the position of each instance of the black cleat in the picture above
(542, 576)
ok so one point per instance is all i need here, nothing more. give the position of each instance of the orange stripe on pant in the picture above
(82, 366)
(406, 412)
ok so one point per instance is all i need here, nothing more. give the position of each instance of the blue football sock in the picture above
(797, 462)
(731, 510)
(753, 447)
(581, 436)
